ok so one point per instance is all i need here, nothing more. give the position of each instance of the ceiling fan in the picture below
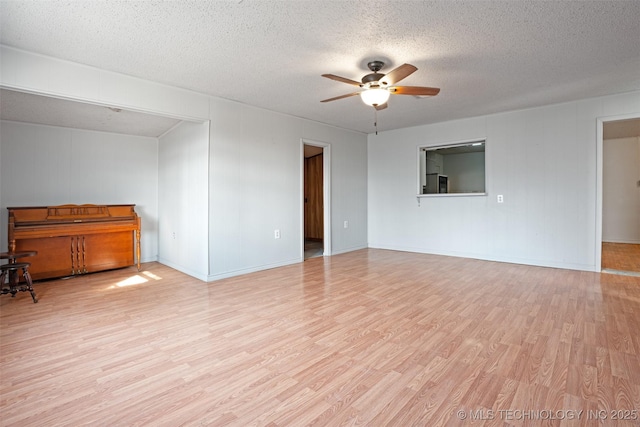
(377, 86)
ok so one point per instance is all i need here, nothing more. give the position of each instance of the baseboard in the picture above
(351, 249)
(233, 273)
(483, 257)
(181, 269)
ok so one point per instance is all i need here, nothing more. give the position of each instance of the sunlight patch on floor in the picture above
(136, 280)
(131, 281)
(151, 275)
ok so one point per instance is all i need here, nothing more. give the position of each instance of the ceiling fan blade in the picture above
(398, 74)
(340, 97)
(414, 90)
(381, 107)
(342, 79)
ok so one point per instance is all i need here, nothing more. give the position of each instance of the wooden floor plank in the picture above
(371, 337)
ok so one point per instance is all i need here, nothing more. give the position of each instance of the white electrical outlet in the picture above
(346, 224)
(500, 198)
(276, 234)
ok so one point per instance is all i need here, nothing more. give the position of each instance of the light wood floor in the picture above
(368, 338)
(621, 256)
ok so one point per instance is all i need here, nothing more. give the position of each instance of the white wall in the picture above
(621, 195)
(183, 199)
(255, 185)
(48, 165)
(255, 165)
(542, 160)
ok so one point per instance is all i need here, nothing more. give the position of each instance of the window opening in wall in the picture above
(452, 169)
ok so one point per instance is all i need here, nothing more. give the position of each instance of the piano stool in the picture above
(14, 285)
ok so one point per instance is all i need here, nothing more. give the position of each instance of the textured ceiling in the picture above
(487, 57)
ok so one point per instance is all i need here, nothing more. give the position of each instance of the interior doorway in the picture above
(315, 200)
(619, 179)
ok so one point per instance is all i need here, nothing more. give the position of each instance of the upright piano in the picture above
(75, 239)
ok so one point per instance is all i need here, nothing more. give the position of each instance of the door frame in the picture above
(599, 179)
(326, 194)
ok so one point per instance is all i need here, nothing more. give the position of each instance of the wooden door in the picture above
(313, 196)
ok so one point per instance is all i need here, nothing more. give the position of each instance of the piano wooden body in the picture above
(75, 239)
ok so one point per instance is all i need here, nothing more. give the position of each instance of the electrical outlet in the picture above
(346, 224)
(173, 235)
(276, 234)
(500, 198)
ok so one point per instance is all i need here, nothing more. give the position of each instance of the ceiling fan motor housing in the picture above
(371, 78)
(374, 66)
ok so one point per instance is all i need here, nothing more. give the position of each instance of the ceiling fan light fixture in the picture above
(375, 96)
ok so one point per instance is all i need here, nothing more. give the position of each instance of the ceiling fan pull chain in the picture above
(375, 119)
